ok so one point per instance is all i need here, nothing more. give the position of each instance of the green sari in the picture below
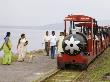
(7, 52)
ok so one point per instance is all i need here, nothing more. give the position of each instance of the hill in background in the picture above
(57, 26)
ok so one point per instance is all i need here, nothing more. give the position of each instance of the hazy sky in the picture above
(42, 12)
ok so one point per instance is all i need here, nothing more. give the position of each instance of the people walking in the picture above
(53, 40)
(6, 47)
(59, 43)
(46, 40)
(21, 47)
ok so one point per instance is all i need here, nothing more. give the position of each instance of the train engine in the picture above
(82, 43)
(75, 50)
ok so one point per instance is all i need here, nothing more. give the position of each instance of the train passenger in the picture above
(53, 41)
(59, 43)
(21, 47)
(6, 47)
(96, 38)
(46, 40)
(104, 33)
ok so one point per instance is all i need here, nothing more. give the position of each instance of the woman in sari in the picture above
(6, 47)
(21, 47)
(59, 43)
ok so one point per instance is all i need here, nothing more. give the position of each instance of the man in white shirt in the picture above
(46, 39)
(53, 40)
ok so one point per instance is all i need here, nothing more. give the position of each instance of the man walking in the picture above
(53, 40)
(46, 39)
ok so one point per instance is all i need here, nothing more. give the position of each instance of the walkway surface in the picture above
(27, 72)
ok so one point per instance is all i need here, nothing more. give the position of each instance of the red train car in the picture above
(83, 42)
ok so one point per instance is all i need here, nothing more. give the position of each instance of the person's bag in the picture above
(26, 43)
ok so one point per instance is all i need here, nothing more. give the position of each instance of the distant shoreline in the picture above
(20, 27)
(56, 26)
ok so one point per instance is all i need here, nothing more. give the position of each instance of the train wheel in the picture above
(83, 66)
(60, 65)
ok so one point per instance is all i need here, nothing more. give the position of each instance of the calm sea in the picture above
(34, 37)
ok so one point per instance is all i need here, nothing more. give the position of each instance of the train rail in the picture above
(64, 76)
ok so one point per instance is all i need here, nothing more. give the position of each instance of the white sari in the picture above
(22, 49)
(60, 40)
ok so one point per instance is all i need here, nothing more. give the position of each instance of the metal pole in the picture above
(70, 24)
(65, 29)
(70, 28)
(73, 25)
(92, 36)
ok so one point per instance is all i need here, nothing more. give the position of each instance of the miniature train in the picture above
(83, 41)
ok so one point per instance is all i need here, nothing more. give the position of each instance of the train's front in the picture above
(75, 42)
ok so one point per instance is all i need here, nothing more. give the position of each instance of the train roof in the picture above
(78, 18)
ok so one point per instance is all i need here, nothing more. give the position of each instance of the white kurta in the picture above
(22, 49)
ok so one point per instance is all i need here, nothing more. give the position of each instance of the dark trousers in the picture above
(47, 48)
(52, 51)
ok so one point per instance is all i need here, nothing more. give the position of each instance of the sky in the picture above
(43, 12)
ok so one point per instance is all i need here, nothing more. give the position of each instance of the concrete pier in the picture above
(27, 72)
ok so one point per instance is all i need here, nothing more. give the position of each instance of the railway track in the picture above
(64, 76)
